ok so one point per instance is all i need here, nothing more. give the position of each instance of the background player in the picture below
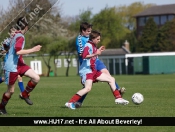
(4, 50)
(15, 66)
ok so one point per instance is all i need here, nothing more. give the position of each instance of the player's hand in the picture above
(37, 48)
(98, 52)
(102, 48)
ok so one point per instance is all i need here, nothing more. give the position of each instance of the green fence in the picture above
(158, 64)
(151, 65)
(135, 65)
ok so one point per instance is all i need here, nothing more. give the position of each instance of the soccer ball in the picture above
(137, 98)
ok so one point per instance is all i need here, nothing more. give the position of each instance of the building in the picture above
(114, 59)
(161, 14)
(150, 63)
(118, 61)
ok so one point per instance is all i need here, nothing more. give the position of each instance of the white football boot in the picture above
(121, 101)
(70, 105)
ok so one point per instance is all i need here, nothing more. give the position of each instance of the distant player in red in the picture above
(89, 74)
(15, 66)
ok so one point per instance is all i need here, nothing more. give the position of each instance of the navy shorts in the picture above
(99, 65)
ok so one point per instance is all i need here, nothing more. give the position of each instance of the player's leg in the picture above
(20, 83)
(30, 85)
(79, 94)
(101, 67)
(1, 79)
(111, 81)
(10, 81)
(21, 86)
(80, 101)
(122, 90)
(5, 98)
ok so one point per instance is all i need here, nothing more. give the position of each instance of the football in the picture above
(137, 98)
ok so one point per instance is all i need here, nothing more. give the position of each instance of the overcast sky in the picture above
(73, 7)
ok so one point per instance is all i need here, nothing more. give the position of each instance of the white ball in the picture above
(137, 98)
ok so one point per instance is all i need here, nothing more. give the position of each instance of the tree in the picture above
(127, 13)
(55, 49)
(148, 38)
(69, 53)
(44, 42)
(110, 25)
(45, 27)
(132, 39)
(85, 16)
(165, 38)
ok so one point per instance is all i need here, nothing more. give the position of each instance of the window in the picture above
(163, 19)
(156, 20)
(142, 21)
(170, 17)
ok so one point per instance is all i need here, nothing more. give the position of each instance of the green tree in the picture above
(110, 25)
(165, 38)
(55, 49)
(127, 13)
(148, 38)
(69, 53)
(85, 16)
(44, 42)
(51, 48)
(131, 38)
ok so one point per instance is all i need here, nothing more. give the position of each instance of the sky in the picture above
(74, 7)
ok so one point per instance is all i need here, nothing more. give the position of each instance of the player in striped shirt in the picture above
(83, 37)
(15, 66)
(4, 50)
(90, 74)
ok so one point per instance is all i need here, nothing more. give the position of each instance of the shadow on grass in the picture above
(114, 107)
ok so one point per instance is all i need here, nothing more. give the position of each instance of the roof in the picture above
(150, 54)
(114, 52)
(158, 10)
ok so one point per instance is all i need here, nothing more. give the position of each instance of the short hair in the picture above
(94, 34)
(84, 26)
(21, 23)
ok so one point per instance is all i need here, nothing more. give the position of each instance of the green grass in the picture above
(51, 94)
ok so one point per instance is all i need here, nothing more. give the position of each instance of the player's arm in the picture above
(20, 51)
(86, 55)
(79, 46)
(28, 51)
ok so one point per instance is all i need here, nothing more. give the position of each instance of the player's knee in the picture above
(11, 91)
(19, 78)
(88, 89)
(112, 80)
(105, 71)
(37, 79)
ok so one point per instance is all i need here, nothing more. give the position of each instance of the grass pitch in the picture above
(52, 93)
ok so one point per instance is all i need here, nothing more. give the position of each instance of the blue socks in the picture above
(21, 86)
(117, 86)
(82, 98)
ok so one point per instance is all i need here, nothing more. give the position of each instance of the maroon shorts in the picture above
(93, 76)
(11, 77)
